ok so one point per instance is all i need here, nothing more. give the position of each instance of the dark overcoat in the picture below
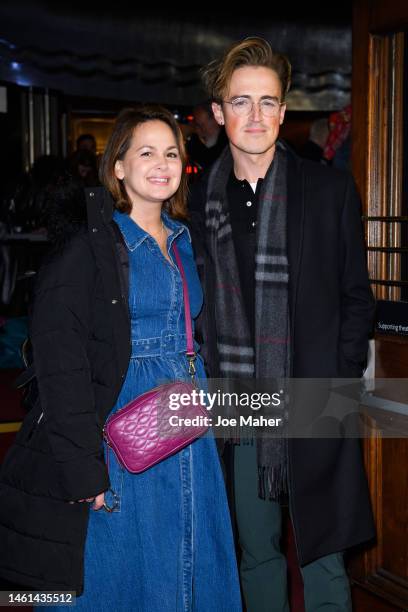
(331, 315)
(80, 334)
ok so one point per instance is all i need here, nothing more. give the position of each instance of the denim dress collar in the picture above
(134, 235)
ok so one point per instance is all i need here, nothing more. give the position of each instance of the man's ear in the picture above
(218, 113)
(282, 111)
(119, 172)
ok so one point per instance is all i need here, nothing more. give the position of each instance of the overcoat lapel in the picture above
(295, 227)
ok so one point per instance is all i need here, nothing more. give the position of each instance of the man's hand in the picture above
(99, 500)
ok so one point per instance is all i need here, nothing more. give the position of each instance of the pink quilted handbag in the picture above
(146, 430)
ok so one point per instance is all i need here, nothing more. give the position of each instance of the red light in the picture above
(190, 169)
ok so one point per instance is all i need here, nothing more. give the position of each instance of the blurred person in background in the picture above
(31, 191)
(314, 147)
(83, 166)
(209, 139)
(86, 142)
(337, 149)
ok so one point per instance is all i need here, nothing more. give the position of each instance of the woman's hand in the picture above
(99, 500)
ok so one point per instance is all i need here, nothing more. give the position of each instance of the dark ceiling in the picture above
(86, 49)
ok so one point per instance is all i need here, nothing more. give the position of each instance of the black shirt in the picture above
(243, 208)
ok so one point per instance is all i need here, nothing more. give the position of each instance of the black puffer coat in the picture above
(80, 335)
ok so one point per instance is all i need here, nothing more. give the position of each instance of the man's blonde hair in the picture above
(252, 51)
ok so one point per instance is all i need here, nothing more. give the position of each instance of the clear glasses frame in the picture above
(269, 107)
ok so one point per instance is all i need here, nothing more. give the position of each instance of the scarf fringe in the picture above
(273, 483)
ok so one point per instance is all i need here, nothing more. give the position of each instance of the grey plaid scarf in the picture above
(269, 358)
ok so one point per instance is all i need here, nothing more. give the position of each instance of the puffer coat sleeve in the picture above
(60, 329)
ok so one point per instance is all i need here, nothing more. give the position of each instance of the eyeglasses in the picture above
(243, 107)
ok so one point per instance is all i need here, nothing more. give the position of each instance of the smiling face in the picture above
(254, 134)
(151, 168)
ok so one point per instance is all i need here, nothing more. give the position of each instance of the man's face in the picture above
(255, 133)
(88, 144)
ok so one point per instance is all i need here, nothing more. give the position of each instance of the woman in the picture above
(99, 340)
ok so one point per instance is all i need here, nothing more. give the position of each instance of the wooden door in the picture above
(380, 107)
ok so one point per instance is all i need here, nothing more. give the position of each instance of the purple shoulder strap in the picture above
(187, 313)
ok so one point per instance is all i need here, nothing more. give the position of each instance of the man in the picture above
(86, 142)
(209, 140)
(314, 146)
(288, 296)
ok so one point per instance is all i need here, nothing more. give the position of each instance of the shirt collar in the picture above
(134, 235)
(236, 182)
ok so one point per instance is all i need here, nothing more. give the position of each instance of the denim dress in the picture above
(168, 546)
